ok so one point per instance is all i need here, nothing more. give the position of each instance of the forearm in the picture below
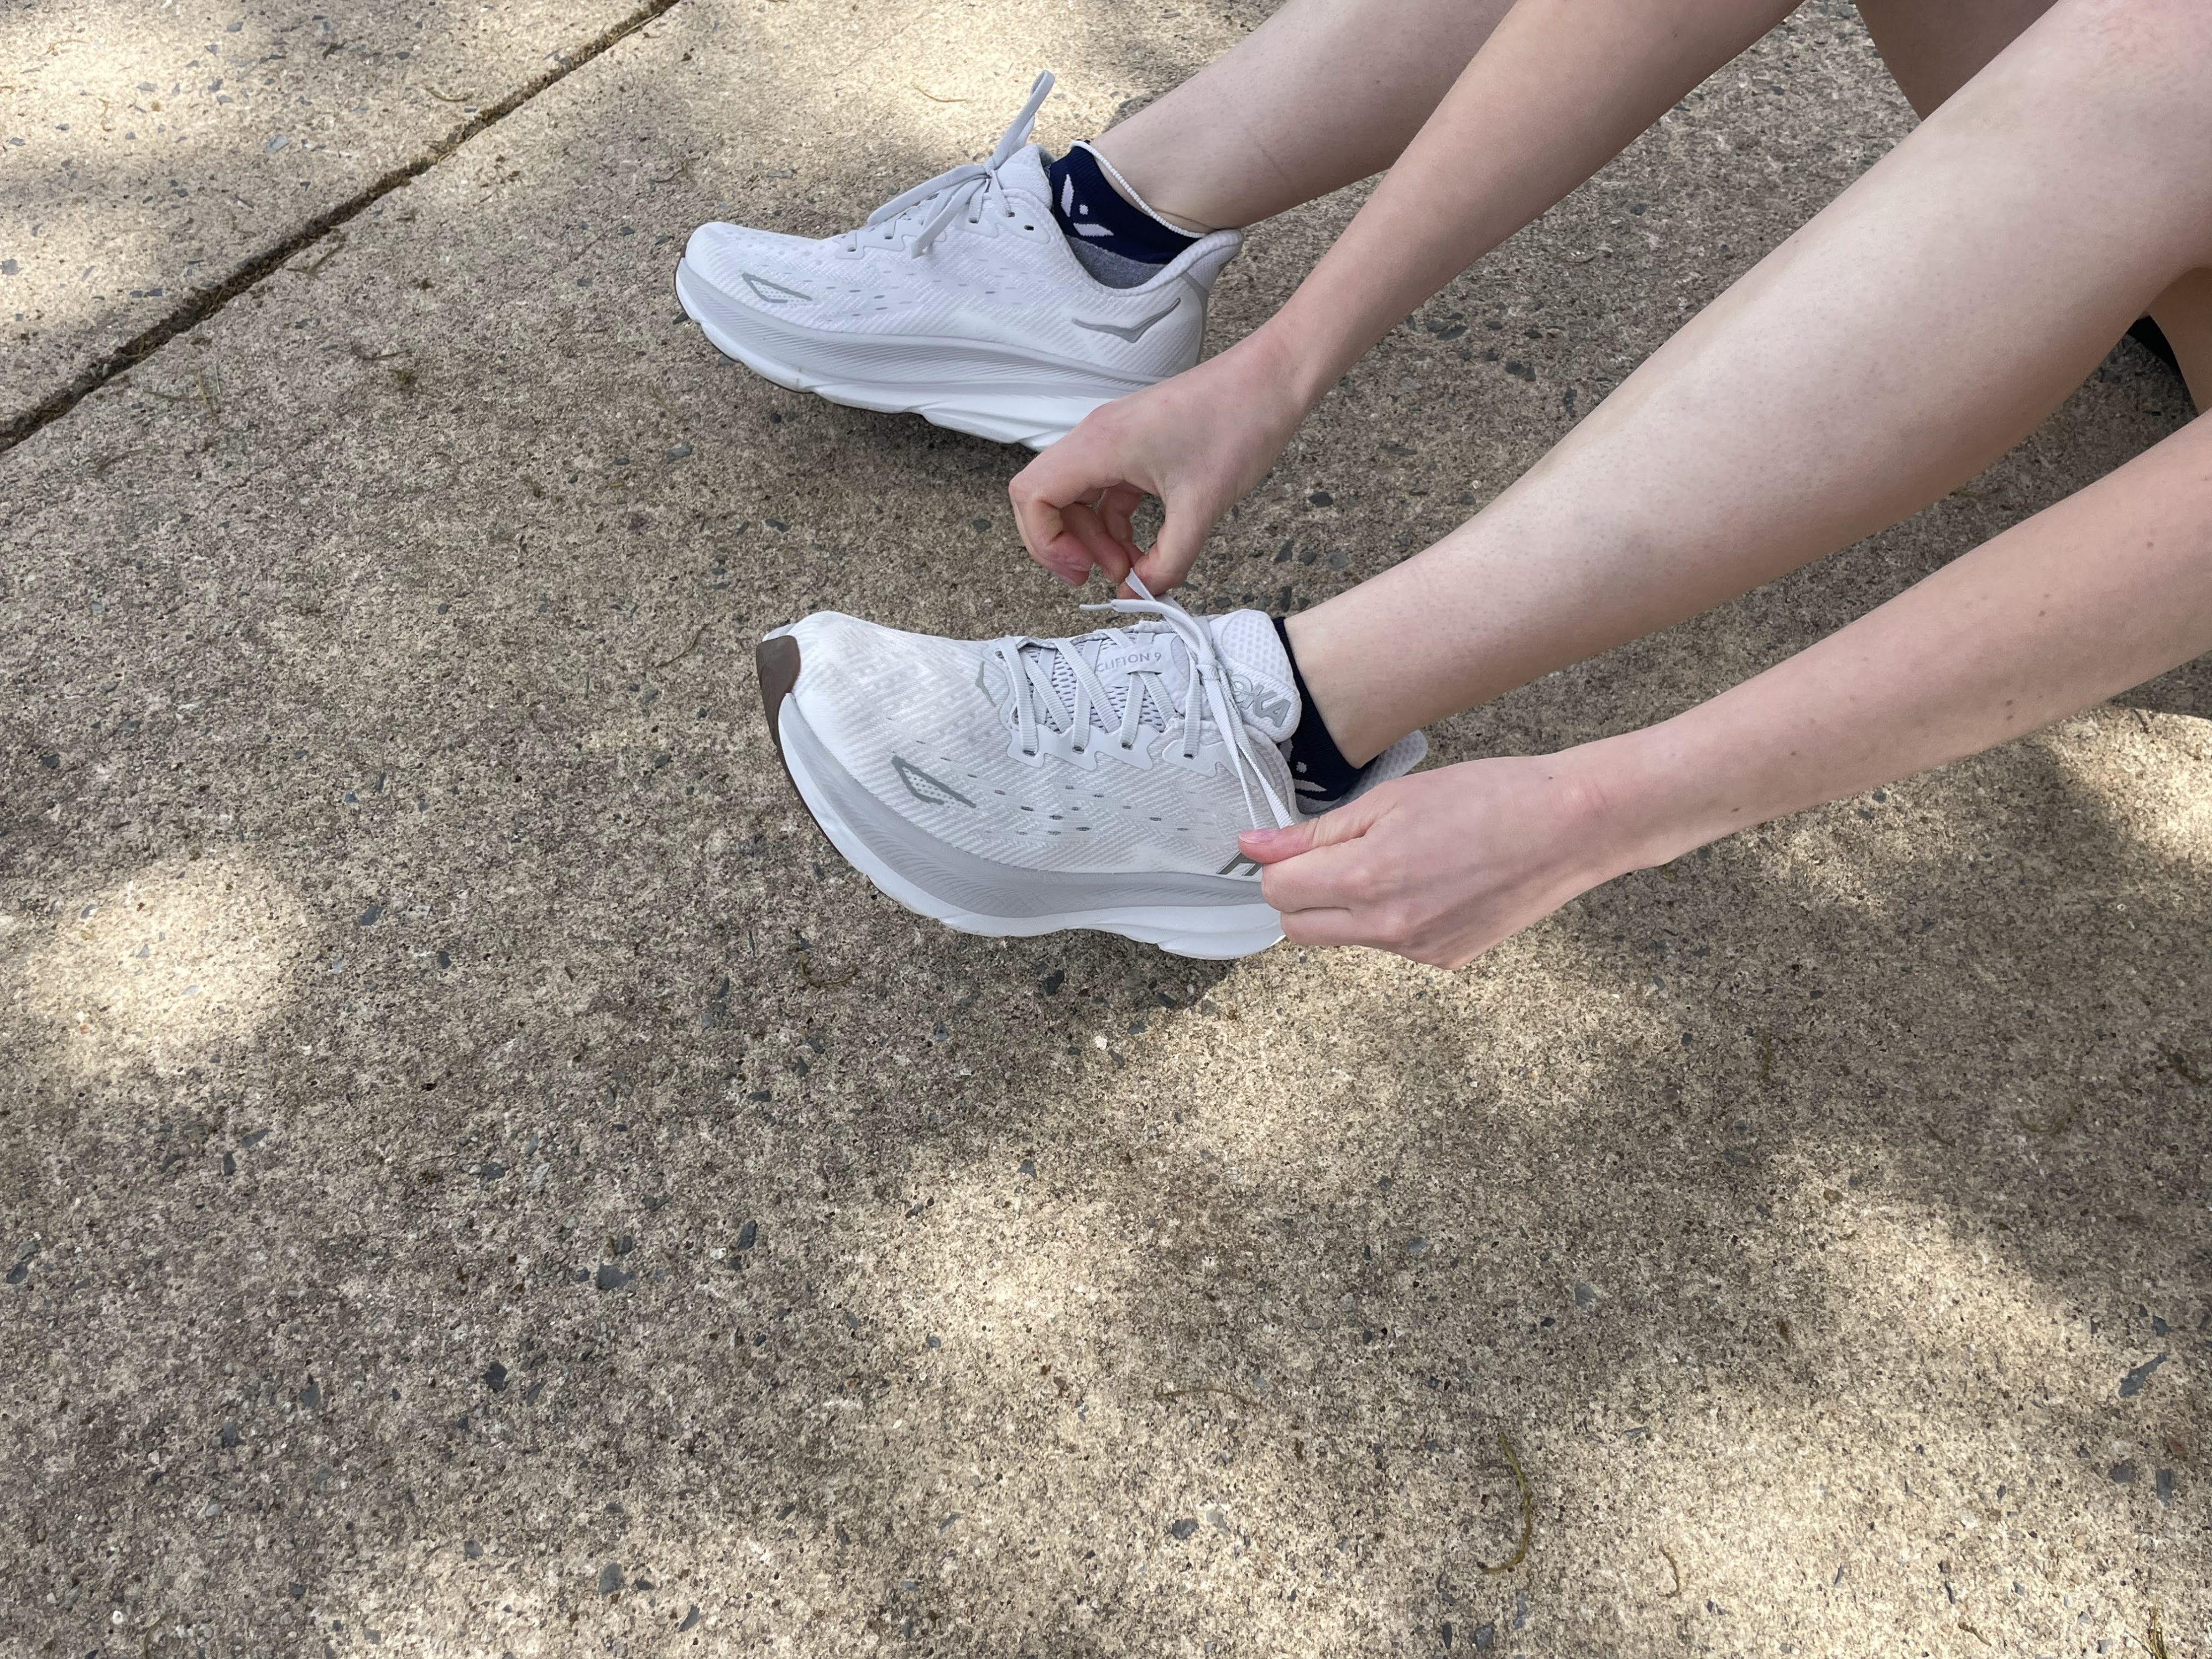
(2092, 596)
(1560, 88)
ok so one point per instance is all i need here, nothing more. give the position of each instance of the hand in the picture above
(1199, 442)
(1443, 865)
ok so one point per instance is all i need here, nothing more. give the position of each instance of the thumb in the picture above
(1175, 549)
(1347, 822)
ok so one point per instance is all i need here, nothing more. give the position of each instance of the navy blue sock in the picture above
(1319, 771)
(1119, 242)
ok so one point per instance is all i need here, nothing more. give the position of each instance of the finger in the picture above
(1050, 543)
(1274, 846)
(1182, 539)
(1327, 878)
(1347, 822)
(1099, 548)
(1034, 516)
(1117, 509)
(1039, 492)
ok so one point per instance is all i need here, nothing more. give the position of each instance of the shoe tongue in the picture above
(1135, 651)
(1261, 682)
(1117, 654)
(1024, 171)
(1259, 677)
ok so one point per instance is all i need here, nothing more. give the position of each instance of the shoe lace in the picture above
(970, 188)
(1083, 701)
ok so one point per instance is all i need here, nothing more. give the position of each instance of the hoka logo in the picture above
(1266, 706)
(930, 792)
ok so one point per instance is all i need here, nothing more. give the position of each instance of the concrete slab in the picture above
(151, 151)
(476, 1172)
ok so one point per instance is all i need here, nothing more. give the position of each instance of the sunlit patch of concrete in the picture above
(1291, 1057)
(155, 147)
(169, 965)
(1180, 1483)
(2147, 779)
(2150, 776)
(1926, 1456)
(906, 1504)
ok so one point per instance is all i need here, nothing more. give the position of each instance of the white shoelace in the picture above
(1038, 703)
(971, 188)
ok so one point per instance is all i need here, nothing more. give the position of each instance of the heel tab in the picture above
(1203, 262)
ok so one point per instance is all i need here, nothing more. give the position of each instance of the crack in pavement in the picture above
(195, 309)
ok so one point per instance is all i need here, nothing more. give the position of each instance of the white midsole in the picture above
(1211, 932)
(992, 391)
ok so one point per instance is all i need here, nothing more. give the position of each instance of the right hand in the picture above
(1442, 866)
(1198, 442)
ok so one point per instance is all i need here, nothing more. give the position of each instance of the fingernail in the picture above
(1260, 838)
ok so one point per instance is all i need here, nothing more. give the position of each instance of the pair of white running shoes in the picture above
(1016, 786)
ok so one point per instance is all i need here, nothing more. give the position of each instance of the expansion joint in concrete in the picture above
(193, 309)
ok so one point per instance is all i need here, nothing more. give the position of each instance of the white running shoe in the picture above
(1021, 786)
(958, 301)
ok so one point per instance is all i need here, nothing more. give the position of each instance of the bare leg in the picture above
(2089, 596)
(1324, 92)
(1906, 338)
(1933, 50)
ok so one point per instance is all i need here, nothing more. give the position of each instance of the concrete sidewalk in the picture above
(157, 158)
(478, 1175)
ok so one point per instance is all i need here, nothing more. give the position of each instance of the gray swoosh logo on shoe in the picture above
(1133, 332)
(775, 293)
(920, 786)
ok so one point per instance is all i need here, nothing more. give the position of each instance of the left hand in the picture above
(1199, 441)
(1442, 866)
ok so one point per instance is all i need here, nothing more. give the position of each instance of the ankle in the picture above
(1144, 183)
(1330, 695)
(1137, 199)
(1117, 237)
(1321, 772)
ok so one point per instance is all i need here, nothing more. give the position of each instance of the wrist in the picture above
(1643, 803)
(1287, 373)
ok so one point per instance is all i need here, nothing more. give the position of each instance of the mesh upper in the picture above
(918, 722)
(1007, 281)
